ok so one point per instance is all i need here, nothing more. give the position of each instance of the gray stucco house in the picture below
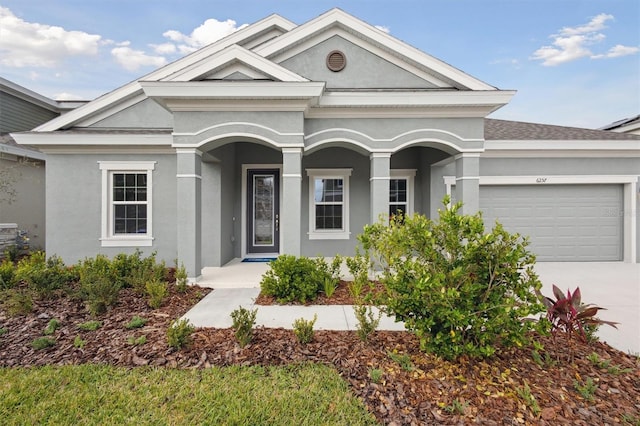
(289, 139)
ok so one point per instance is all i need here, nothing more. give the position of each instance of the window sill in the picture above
(127, 242)
(329, 235)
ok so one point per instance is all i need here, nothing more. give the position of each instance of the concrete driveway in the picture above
(611, 285)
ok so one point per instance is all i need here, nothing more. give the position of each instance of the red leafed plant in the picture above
(567, 313)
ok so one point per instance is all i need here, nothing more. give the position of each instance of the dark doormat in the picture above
(258, 259)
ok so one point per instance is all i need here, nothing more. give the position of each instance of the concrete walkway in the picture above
(615, 286)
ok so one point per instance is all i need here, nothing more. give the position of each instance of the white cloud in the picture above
(27, 44)
(132, 60)
(164, 48)
(64, 96)
(573, 43)
(210, 31)
(617, 51)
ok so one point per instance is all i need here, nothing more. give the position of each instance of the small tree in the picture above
(460, 290)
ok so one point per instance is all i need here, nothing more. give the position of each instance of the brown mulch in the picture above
(341, 296)
(422, 392)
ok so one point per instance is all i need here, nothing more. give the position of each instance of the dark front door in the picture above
(263, 211)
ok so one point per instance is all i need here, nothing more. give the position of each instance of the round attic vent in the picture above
(336, 61)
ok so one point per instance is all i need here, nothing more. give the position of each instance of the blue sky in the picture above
(573, 62)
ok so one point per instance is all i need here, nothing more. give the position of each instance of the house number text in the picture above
(541, 180)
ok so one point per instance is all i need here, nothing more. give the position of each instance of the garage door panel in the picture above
(564, 222)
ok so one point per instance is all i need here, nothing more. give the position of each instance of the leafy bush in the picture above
(42, 343)
(90, 325)
(181, 278)
(52, 326)
(358, 266)
(461, 290)
(156, 291)
(133, 270)
(7, 272)
(243, 323)
(303, 329)
(179, 333)
(43, 275)
(293, 278)
(136, 341)
(99, 284)
(568, 314)
(136, 322)
(367, 321)
(17, 302)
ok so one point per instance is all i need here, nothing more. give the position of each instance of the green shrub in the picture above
(136, 341)
(303, 329)
(181, 278)
(367, 321)
(17, 302)
(358, 266)
(52, 326)
(376, 375)
(136, 322)
(99, 284)
(156, 291)
(179, 333)
(460, 290)
(42, 343)
(3, 331)
(133, 270)
(90, 325)
(44, 276)
(79, 343)
(7, 273)
(292, 278)
(243, 323)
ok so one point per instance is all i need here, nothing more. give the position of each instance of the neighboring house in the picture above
(627, 125)
(289, 139)
(22, 168)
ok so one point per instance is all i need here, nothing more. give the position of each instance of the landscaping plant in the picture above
(90, 325)
(52, 326)
(136, 322)
(42, 343)
(460, 289)
(567, 313)
(292, 278)
(6, 274)
(156, 291)
(243, 322)
(179, 333)
(303, 329)
(44, 276)
(181, 278)
(99, 284)
(367, 321)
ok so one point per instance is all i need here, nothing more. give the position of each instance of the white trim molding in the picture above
(630, 194)
(108, 237)
(329, 234)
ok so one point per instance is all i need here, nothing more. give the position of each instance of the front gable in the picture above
(363, 69)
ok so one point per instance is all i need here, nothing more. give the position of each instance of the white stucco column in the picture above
(468, 182)
(189, 176)
(291, 194)
(379, 184)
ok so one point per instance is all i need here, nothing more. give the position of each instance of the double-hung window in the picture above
(126, 203)
(329, 203)
(401, 192)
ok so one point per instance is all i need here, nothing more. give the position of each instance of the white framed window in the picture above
(329, 204)
(127, 203)
(401, 191)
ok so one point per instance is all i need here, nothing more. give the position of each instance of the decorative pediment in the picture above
(232, 60)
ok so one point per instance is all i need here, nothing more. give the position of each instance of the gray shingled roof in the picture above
(518, 130)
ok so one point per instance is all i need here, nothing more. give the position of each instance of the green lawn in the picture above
(88, 394)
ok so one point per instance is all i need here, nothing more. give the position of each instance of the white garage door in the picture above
(564, 222)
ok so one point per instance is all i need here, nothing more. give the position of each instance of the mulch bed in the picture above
(341, 296)
(424, 391)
